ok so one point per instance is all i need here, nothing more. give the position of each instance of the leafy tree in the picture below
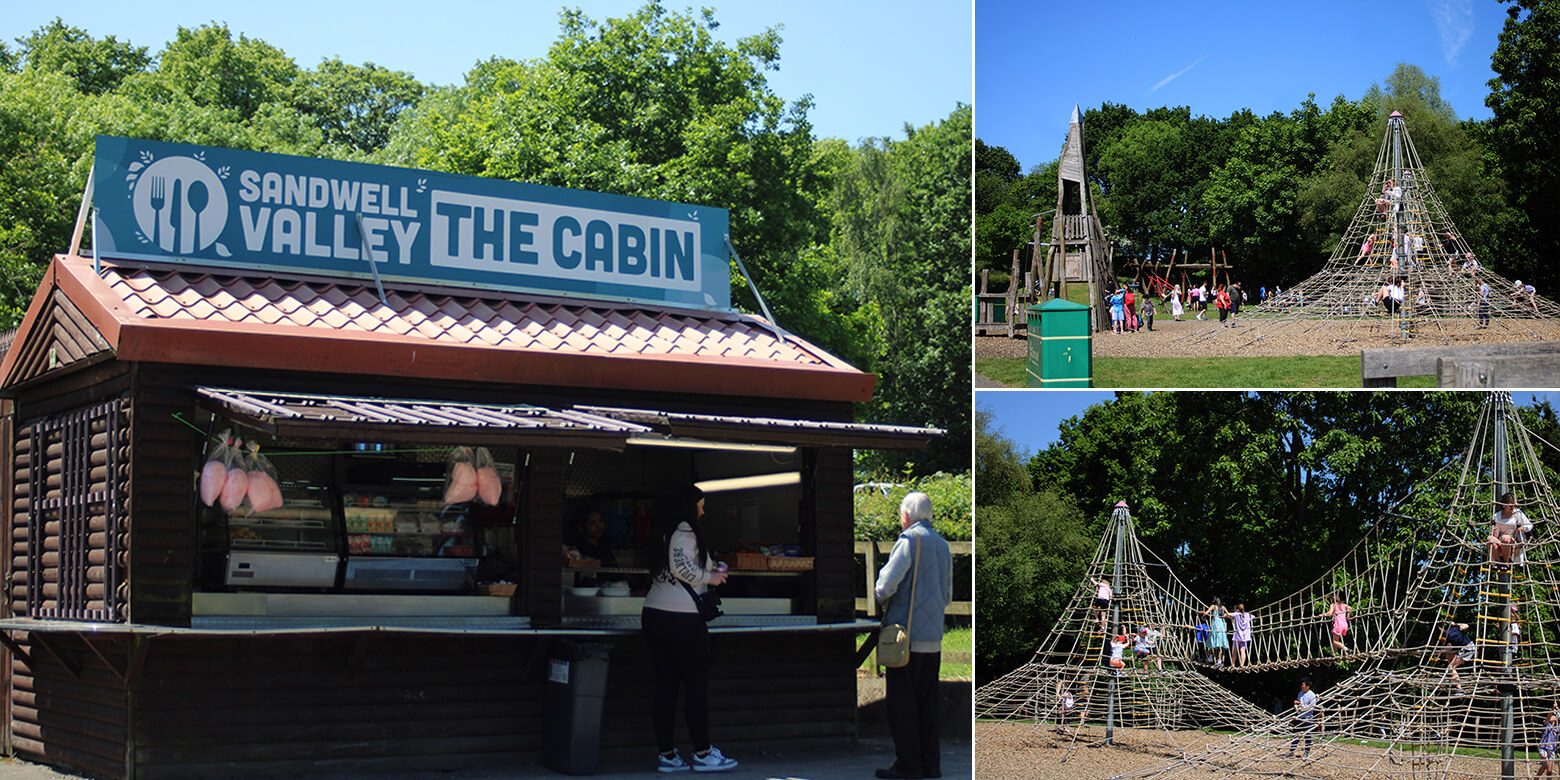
(650, 104)
(1525, 132)
(211, 68)
(1029, 555)
(355, 106)
(901, 218)
(96, 66)
(1249, 495)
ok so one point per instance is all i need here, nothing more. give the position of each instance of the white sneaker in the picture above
(674, 763)
(713, 761)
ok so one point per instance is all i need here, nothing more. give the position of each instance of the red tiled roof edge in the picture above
(294, 348)
(29, 320)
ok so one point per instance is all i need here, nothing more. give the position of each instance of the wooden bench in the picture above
(1528, 364)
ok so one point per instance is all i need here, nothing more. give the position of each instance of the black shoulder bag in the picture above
(708, 604)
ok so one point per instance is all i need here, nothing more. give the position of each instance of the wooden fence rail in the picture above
(876, 553)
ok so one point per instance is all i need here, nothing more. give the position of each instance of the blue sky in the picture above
(1035, 60)
(871, 67)
(1032, 418)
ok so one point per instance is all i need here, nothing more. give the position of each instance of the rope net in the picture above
(1424, 701)
(1402, 271)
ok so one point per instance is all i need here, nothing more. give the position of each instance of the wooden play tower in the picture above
(1079, 252)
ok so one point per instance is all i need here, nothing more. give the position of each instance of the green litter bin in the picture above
(1061, 345)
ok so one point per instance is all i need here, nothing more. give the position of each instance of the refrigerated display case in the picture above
(400, 535)
(295, 545)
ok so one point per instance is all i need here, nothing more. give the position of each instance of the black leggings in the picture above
(680, 653)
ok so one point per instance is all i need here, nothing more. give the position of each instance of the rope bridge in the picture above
(1418, 705)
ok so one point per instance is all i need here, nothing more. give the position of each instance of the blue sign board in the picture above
(214, 206)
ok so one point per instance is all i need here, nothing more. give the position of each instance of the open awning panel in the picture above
(776, 430)
(304, 415)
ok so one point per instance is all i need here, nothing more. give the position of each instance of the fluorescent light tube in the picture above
(700, 444)
(750, 483)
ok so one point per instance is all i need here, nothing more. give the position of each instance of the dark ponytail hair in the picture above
(684, 508)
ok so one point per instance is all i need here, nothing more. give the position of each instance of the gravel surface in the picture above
(1022, 751)
(1253, 337)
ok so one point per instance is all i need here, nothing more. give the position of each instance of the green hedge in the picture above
(877, 515)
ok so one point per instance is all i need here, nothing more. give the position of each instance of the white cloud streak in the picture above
(1454, 21)
(1175, 75)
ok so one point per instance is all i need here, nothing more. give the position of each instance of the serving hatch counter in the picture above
(148, 634)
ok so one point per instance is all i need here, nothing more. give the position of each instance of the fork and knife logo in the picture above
(180, 205)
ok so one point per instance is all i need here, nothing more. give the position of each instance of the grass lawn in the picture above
(958, 648)
(1297, 371)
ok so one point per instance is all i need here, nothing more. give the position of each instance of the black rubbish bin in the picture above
(576, 687)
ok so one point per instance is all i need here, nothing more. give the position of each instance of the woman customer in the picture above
(679, 640)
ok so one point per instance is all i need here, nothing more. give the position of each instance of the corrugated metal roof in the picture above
(774, 429)
(304, 414)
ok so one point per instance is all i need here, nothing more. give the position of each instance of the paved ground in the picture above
(857, 764)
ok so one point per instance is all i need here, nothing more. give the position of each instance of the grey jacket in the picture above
(933, 586)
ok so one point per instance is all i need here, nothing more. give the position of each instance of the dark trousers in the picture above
(680, 654)
(1303, 729)
(1149, 318)
(915, 714)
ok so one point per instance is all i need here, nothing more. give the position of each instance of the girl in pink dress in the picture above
(1339, 612)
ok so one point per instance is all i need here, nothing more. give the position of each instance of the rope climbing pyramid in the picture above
(1071, 684)
(1468, 679)
(1402, 271)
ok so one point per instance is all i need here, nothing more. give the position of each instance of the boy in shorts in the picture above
(1145, 647)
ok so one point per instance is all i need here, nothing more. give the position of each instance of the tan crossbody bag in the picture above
(893, 647)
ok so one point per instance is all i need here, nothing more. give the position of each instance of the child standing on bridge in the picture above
(1241, 619)
(1339, 612)
(1218, 633)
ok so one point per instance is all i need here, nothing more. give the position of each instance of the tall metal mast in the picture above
(1503, 597)
(1119, 517)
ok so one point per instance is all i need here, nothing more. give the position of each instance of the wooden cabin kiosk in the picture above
(135, 648)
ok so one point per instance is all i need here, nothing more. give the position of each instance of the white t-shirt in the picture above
(1517, 522)
(1151, 639)
(1116, 648)
(1102, 591)
(1307, 708)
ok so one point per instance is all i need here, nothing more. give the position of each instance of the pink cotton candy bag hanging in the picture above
(460, 477)
(264, 492)
(213, 474)
(489, 488)
(235, 488)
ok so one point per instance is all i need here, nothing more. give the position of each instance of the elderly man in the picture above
(915, 586)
